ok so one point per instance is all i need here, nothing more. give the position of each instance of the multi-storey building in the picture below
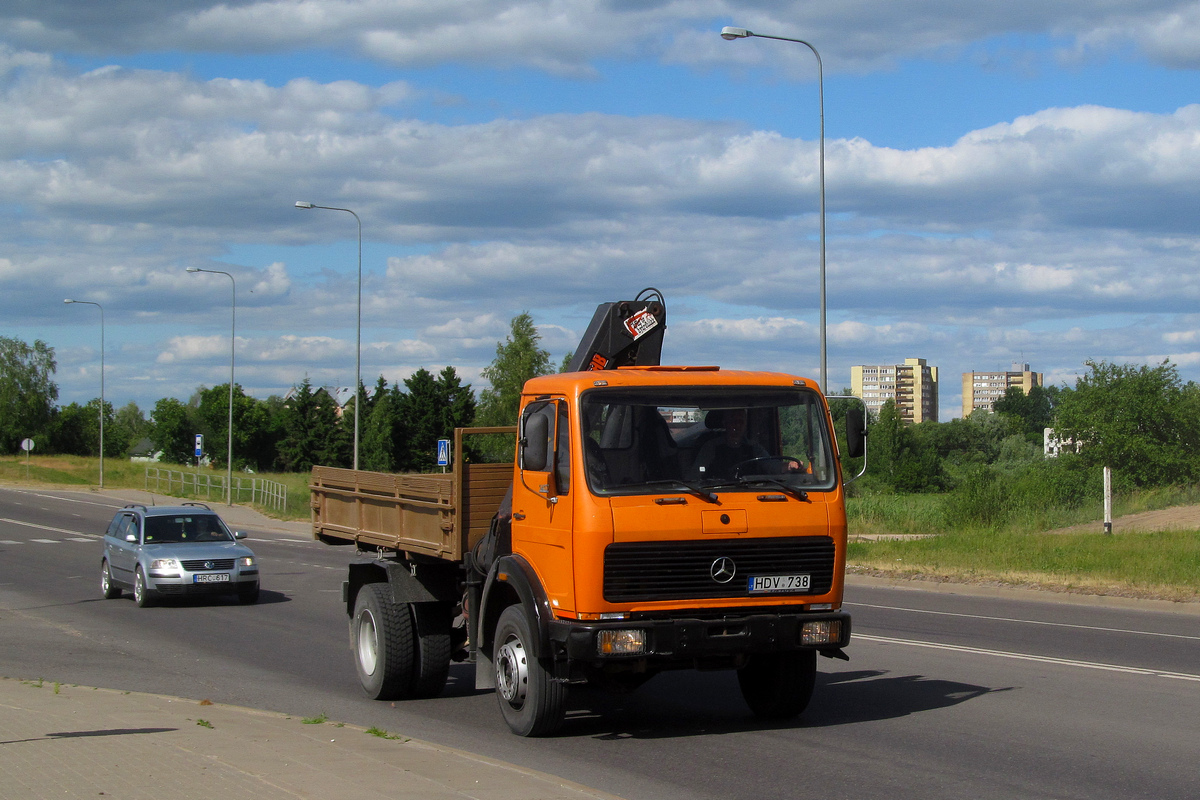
(982, 389)
(913, 386)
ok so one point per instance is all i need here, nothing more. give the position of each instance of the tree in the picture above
(311, 431)
(382, 429)
(900, 458)
(421, 409)
(1140, 420)
(518, 359)
(129, 424)
(67, 431)
(27, 392)
(173, 426)
(1032, 413)
(253, 435)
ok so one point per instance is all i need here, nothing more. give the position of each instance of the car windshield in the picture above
(181, 528)
(700, 438)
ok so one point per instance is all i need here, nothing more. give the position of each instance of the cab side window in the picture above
(562, 452)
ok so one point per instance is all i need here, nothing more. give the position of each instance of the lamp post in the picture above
(358, 319)
(232, 346)
(97, 305)
(730, 34)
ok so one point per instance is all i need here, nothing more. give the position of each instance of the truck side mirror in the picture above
(856, 432)
(533, 443)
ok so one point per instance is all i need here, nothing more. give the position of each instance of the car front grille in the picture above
(202, 565)
(641, 571)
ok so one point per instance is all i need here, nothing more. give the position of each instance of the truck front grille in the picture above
(640, 571)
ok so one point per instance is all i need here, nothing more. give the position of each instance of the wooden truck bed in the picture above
(439, 515)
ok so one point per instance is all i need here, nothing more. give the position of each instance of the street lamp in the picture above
(97, 305)
(358, 321)
(232, 345)
(730, 34)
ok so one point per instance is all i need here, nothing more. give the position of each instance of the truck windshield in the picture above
(639, 441)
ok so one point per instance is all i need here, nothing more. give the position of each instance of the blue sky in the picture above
(1009, 182)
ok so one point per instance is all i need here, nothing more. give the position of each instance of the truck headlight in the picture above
(819, 632)
(620, 642)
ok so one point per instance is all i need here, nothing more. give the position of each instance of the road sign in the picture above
(27, 445)
(443, 452)
(199, 444)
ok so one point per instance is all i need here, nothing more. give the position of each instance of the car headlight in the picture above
(164, 563)
(246, 561)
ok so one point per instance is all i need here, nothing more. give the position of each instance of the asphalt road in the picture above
(947, 695)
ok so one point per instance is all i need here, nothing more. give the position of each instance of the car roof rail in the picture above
(142, 506)
(201, 505)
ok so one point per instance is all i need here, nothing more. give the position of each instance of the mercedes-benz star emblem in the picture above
(208, 565)
(723, 569)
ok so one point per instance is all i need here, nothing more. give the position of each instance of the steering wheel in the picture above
(769, 465)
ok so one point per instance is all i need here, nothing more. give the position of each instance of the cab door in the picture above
(542, 495)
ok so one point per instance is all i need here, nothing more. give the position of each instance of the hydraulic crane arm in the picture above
(626, 333)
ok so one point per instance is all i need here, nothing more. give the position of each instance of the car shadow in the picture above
(265, 597)
(702, 704)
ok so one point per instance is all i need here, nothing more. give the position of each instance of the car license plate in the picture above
(765, 584)
(211, 577)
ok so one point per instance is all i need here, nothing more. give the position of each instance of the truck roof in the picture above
(571, 382)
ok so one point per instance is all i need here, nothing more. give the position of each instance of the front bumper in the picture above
(690, 639)
(176, 582)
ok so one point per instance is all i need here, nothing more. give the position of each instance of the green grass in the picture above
(1163, 564)
(121, 473)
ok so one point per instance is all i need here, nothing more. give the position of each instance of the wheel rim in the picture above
(139, 587)
(512, 671)
(104, 577)
(368, 644)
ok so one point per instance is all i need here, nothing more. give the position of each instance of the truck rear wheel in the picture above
(381, 637)
(531, 701)
(779, 685)
(432, 621)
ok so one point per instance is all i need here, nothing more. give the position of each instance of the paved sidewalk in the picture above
(73, 741)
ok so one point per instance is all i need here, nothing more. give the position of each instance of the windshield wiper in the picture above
(696, 490)
(792, 490)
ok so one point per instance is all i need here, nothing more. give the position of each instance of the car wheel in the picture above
(779, 685)
(531, 701)
(381, 637)
(248, 597)
(142, 595)
(432, 622)
(107, 587)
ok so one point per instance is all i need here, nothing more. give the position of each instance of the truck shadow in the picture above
(695, 704)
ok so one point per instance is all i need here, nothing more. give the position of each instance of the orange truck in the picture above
(654, 518)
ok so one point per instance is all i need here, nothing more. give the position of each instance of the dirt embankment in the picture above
(1177, 518)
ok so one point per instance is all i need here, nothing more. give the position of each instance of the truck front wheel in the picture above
(381, 636)
(779, 685)
(531, 701)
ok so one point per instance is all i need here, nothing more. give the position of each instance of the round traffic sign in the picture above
(27, 445)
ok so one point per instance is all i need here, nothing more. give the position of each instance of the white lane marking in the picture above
(73, 500)
(9, 541)
(1026, 621)
(1066, 662)
(84, 538)
(40, 527)
(45, 541)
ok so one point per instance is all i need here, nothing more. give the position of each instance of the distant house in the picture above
(144, 451)
(1052, 445)
(340, 395)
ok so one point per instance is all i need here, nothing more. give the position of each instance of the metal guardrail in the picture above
(271, 494)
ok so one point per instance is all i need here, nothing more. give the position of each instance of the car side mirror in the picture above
(131, 538)
(239, 534)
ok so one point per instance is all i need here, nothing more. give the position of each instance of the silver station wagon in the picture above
(161, 551)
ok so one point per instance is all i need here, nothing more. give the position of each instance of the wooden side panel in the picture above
(374, 509)
(483, 490)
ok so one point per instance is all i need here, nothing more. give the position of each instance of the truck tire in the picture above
(531, 701)
(779, 685)
(381, 638)
(432, 622)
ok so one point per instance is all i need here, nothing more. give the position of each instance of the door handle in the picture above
(517, 515)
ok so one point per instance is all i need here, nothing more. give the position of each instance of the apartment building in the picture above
(982, 389)
(913, 386)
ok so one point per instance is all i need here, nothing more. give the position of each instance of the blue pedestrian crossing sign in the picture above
(199, 444)
(443, 452)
